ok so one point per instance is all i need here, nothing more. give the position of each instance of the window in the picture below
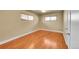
(26, 17)
(50, 18)
(30, 17)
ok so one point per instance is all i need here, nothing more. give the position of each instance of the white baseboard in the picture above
(13, 38)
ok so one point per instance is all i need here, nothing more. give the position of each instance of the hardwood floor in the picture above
(39, 40)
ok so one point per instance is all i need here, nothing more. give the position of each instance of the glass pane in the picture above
(30, 17)
(53, 18)
(47, 18)
(50, 18)
(24, 17)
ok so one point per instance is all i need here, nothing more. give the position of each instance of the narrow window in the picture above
(50, 18)
(26, 17)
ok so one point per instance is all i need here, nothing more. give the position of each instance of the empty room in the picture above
(34, 29)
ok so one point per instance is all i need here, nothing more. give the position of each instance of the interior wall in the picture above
(67, 27)
(11, 25)
(54, 25)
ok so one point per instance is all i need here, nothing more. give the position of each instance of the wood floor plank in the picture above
(38, 39)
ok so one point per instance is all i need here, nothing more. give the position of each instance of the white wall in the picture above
(11, 24)
(66, 27)
(75, 29)
(56, 25)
